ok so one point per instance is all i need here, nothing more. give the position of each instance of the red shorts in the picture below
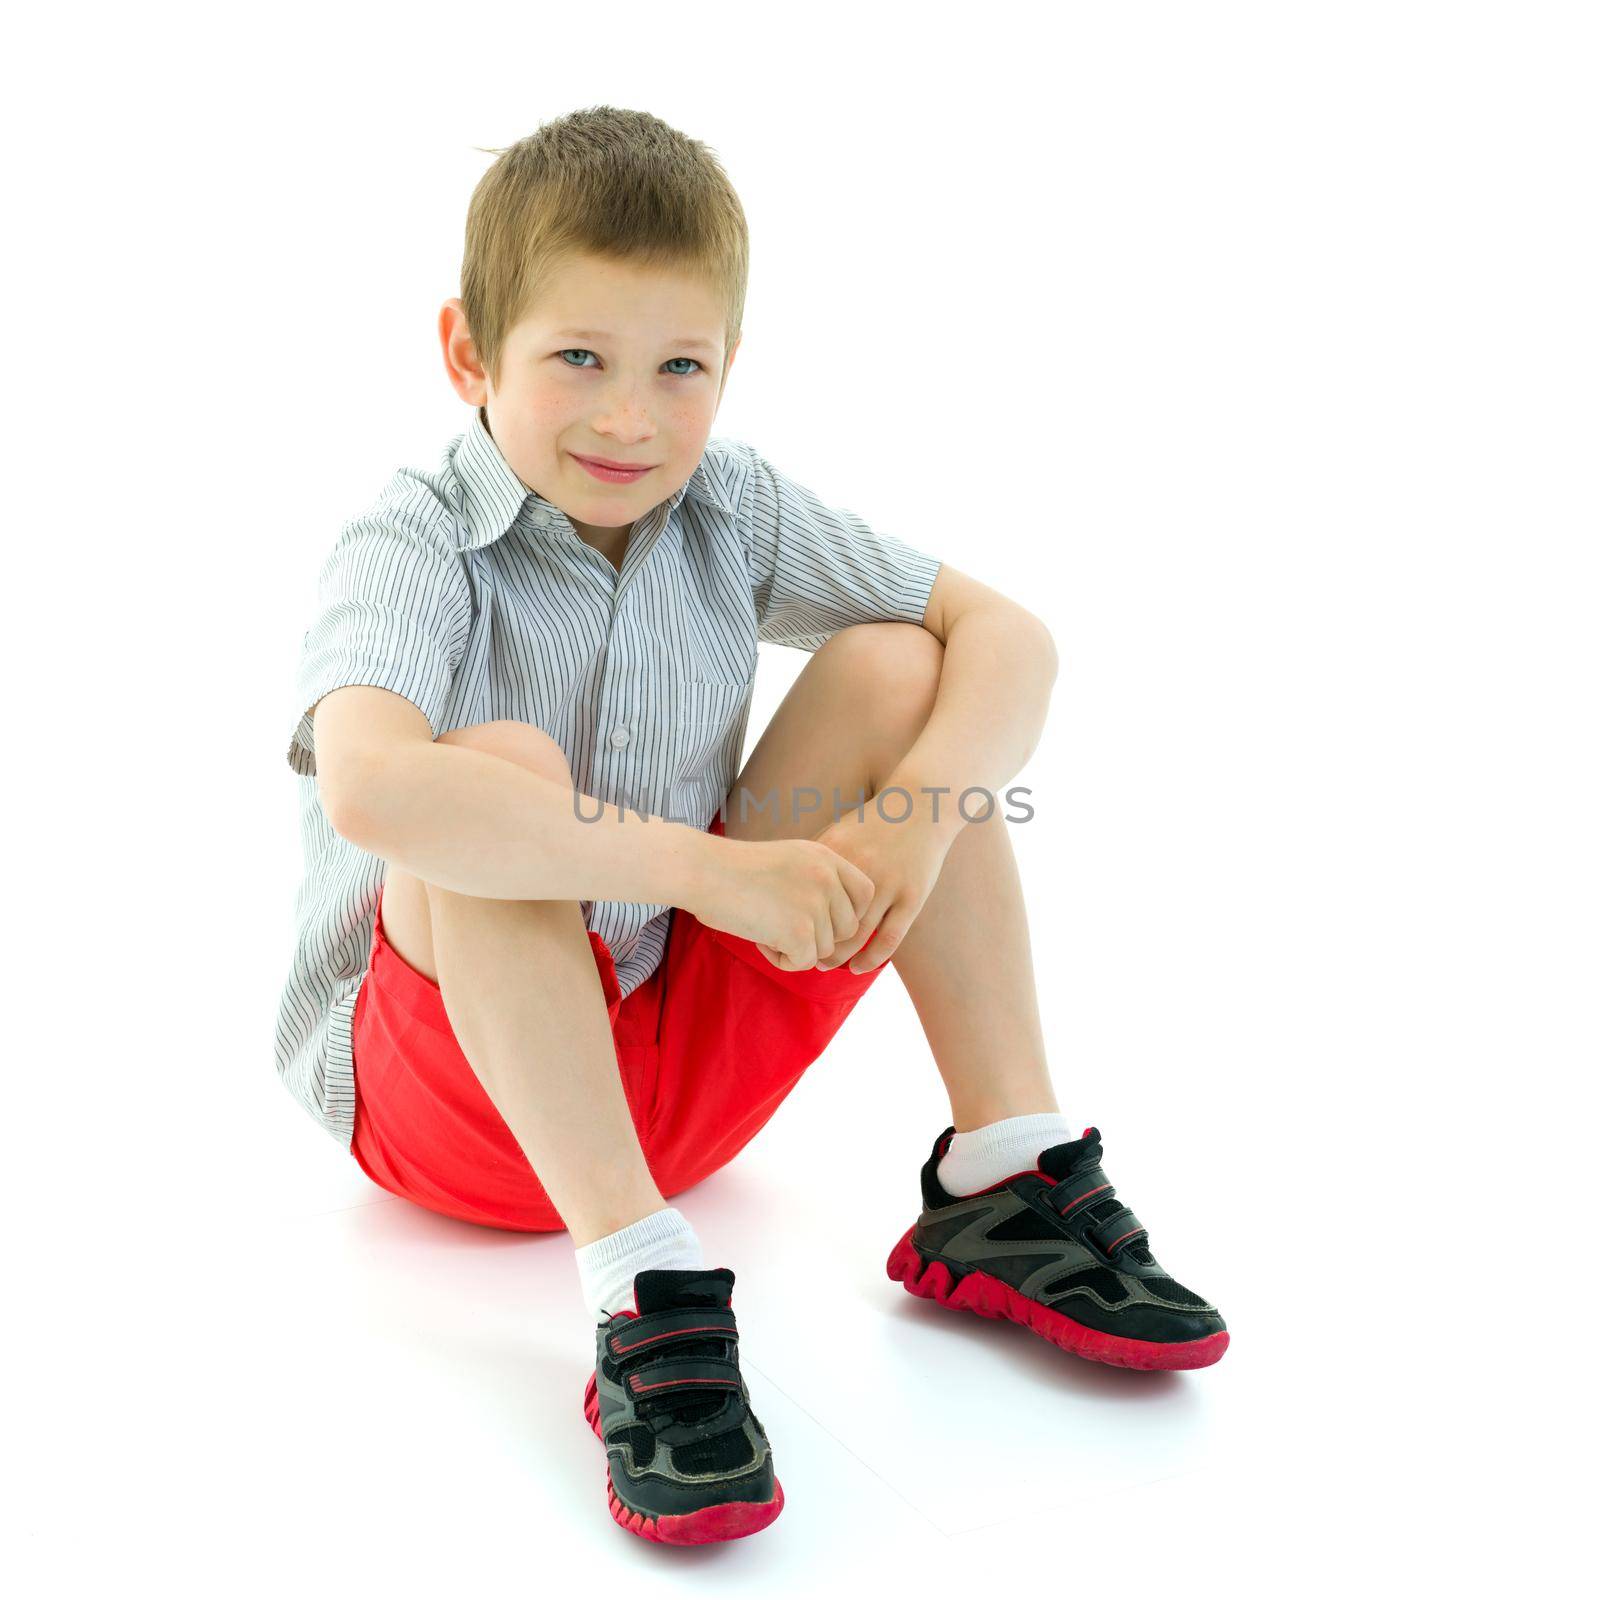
(707, 1046)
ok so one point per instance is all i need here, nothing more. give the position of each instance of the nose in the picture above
(624, 415)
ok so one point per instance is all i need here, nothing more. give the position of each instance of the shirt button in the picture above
(619, 737)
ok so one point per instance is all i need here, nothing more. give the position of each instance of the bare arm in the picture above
(994, 692)
(475, 824)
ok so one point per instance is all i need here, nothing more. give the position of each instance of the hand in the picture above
(794, 898)
(904, 860)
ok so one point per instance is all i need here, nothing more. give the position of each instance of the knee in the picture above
(519, 742)
(898, 664)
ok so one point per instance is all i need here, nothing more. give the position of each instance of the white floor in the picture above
(303, 1384)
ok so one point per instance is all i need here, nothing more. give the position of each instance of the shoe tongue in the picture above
(671, 1289)
(665, 1289)
(1060, 1160)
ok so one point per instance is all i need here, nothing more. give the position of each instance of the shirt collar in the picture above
(490, 496)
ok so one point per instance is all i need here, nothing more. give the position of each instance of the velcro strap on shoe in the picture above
(684, 1375)
(1080, 1186)
(657, 1327)
(1117, 1230)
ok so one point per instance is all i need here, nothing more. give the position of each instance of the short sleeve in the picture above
(815, 569)
(394, 610)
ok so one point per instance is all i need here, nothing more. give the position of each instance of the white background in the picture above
(1254, 347)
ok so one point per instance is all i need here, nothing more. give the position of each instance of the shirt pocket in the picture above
(708, 727)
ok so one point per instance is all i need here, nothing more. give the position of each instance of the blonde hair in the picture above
(601, 181)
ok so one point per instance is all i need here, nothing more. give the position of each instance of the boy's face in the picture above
(618, 361)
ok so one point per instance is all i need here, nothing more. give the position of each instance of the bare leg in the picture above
(525, 1002)
(967, 964)
(966, 961)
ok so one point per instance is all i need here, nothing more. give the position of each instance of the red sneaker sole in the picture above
(711, 1525)
(989, 1297)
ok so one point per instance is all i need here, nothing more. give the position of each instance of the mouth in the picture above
(610, 471)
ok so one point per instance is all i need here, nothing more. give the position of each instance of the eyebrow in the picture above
(592, 333)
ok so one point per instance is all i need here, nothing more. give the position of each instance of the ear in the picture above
(461, 364)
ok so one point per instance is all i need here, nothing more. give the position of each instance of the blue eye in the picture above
(578, 366)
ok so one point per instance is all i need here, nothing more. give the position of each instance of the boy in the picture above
(539, 934)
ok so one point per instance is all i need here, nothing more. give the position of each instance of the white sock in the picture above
(986, 1155)
(606, 1265)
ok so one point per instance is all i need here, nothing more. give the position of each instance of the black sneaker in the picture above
(686, 1460)
(1055, 1250)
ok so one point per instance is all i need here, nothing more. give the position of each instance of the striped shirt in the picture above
(473, 597)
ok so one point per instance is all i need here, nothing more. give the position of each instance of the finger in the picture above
(796, 960)
(890, 931)
(847, 948)
(823, 938)
(846, 919)
(845, 944)
(857, 885)
(784, 963)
